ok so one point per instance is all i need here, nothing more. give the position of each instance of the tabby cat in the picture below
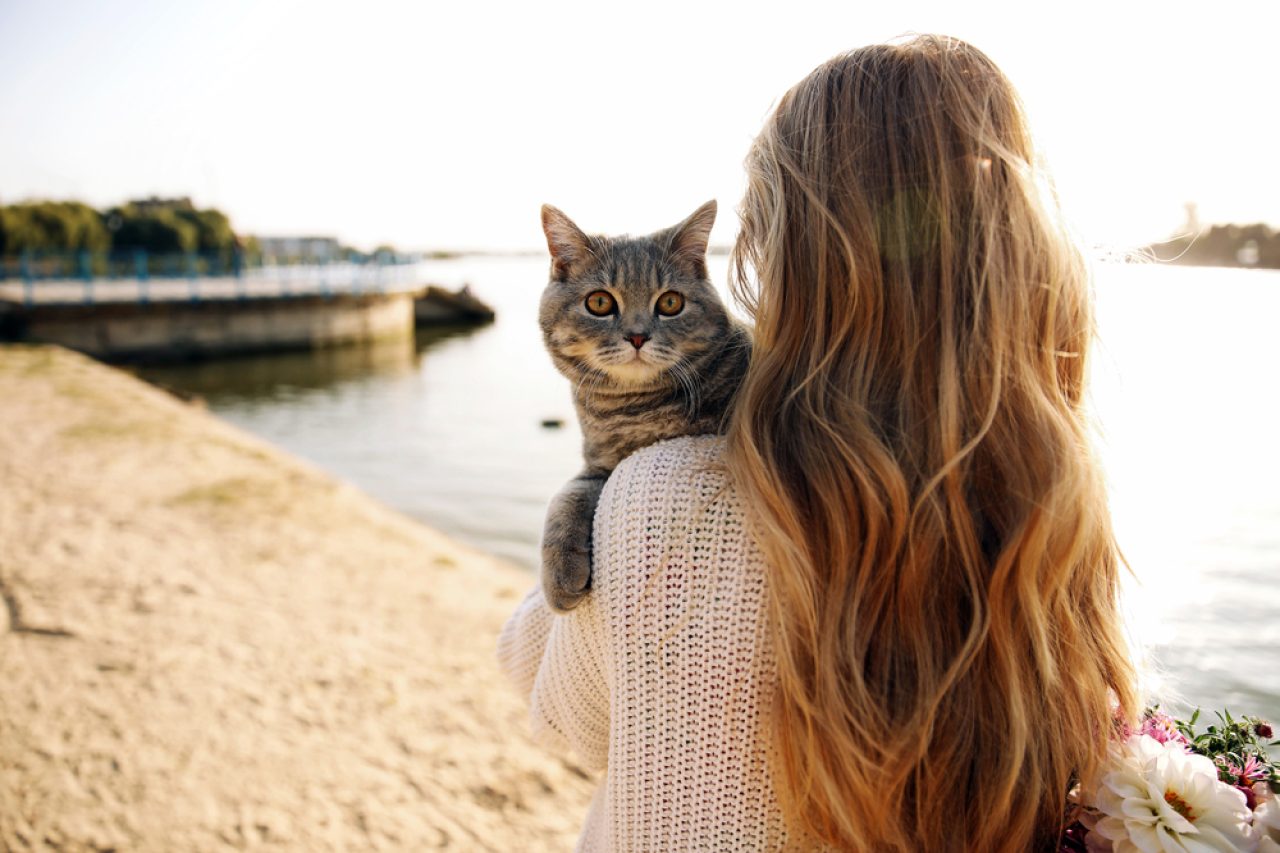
(652, 353)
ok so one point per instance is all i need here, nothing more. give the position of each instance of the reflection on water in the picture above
(450, 431)
(273, 377)
(447, 428)
(1184, 388)
(280, 376)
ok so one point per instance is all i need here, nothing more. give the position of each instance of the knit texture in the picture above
(664, 676)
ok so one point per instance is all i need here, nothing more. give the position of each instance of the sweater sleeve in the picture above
(523, 642)
(563, 663)
(557, 662)
(664, 675)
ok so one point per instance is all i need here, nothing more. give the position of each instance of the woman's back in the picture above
(916, 645)
(912, 443)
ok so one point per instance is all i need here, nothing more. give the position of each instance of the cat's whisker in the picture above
(695, 394)
(595, 375)
(598, 379)
(688, 384)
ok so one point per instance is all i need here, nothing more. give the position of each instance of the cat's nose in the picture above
(637, 341)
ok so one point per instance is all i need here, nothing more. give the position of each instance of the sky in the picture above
(447, 125)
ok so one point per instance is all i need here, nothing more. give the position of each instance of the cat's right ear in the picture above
(687, 242)
(565, 240)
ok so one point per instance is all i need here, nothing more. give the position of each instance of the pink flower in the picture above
(1253, 771)
(1161, 728)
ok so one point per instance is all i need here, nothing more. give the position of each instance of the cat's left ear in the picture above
(688, 243)
(565, 241)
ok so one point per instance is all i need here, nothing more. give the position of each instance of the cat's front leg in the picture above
(566, 541)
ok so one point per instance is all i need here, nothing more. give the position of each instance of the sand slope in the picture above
(206, 644)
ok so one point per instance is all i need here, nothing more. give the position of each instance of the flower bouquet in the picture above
(1163, 788)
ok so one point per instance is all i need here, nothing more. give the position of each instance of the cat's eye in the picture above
(600, 303)
(670, 304)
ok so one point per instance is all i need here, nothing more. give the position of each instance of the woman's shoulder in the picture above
(666, 471)
(673, 459)
(670, 490)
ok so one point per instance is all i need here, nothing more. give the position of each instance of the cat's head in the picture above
(630, 309)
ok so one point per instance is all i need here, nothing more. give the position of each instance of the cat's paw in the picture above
(566, 577)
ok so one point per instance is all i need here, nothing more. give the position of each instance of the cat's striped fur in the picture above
(641, 373)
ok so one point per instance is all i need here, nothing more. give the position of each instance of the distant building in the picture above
(311, 249)
(155, 203)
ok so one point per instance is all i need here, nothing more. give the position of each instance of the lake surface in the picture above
(1186, 376)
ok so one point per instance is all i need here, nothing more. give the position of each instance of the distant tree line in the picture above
(1224, 246)
(157, 226)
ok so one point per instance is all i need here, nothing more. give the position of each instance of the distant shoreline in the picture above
(1230, 246)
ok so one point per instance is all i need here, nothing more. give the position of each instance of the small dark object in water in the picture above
(435, 305)
(552, 423)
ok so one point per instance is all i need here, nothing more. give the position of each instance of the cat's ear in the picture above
(565, 240)
(688, 242)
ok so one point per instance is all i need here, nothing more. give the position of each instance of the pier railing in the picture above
(89, 278)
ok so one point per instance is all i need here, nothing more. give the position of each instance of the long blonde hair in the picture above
(911, 438)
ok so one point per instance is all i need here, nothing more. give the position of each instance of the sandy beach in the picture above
(206, 644)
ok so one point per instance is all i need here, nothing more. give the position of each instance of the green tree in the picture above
(17, 230)
(213, 229)
(159, 226)
(157, 231)
(51, 226)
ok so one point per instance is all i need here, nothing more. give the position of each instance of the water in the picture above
(449, 431)
(1185, 389)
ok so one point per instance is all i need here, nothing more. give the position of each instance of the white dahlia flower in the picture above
(1266, 819)
(1159, 798)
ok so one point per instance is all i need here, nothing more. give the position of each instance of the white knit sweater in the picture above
(664, 675)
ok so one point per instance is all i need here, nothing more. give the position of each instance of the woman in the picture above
(880, 614)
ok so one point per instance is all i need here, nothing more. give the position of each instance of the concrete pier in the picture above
(173, 330)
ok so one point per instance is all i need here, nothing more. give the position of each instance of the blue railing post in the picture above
(86, 275)
(28, 279)
(144, 275)
(193, 285)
